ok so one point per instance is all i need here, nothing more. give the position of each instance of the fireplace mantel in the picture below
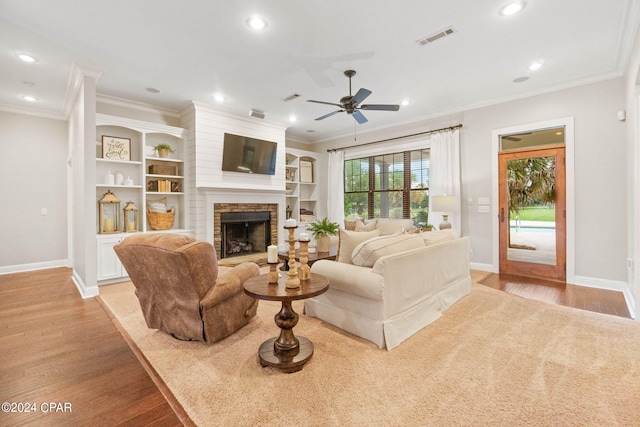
(241, 187)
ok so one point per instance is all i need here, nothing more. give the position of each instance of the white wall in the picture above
(33, 175)
(600, 182)
(209, 183)
(600, 170)
(632, 87)
(82, 209)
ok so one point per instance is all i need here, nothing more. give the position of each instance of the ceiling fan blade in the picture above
(323, 102)
(360, 118)
(329, 115)
(360, 96)
(381, 107)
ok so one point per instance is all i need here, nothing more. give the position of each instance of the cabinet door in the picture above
(109, 265)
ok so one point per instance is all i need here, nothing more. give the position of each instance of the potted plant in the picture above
(163, 149)
(321, 231)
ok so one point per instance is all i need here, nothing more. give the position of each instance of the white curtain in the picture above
(444, 174)
(335, 189)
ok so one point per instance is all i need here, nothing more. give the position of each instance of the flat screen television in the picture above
(248, 155)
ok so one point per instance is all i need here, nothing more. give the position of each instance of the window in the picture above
(388, 186)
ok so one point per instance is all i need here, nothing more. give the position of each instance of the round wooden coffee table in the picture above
(285, 352)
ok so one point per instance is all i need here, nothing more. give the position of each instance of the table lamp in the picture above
(446, 205)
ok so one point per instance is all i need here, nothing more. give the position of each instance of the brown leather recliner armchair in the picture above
(179, 289)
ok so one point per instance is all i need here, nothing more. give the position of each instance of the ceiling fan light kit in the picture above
(350, 104)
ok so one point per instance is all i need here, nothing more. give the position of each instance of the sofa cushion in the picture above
(435, 237)
(367, 253)
(388, 226)
(349, 240)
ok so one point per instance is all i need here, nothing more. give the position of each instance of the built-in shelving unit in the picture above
(301, 185)
(137, 178)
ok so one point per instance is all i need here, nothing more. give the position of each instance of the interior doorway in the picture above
(532, 204)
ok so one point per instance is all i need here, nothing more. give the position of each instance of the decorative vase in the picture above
(109, 179)
(119, 178)
(163, 152)
(323, 243)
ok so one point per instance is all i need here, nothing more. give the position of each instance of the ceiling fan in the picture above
(351, 103)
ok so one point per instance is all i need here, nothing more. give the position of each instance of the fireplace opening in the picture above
(244, 233)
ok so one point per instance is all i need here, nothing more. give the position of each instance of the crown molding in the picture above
(32, 112)
(140, 106)
(200, 106)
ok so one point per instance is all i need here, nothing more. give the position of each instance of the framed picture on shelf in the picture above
(306, 171)
(116, 148)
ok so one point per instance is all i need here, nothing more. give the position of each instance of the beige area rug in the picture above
(493, 359)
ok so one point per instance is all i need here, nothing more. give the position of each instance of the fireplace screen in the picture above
(244, 233)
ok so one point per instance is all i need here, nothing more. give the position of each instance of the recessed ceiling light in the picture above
(257, 23)
(30, 98)
(536, 65)
(152, 90)
(512, 8)
(26, 58)
(521, 79)
(293, 118)
(219, 97)
(405, 102)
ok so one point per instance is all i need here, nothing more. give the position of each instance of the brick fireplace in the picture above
(244, 228)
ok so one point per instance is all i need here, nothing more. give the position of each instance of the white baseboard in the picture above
(482, 267)
(21, 268)
(85, 291)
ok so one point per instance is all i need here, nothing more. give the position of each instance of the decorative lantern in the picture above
(108, 214)
(130, 217)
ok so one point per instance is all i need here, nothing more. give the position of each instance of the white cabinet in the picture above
(136, 173)
(301, 185)
(109, 265)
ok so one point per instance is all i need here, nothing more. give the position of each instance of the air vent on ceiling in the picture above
(290, 97)
(436, 36)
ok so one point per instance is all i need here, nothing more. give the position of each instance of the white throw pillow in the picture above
(367, 253)
(388, 226)
(434, 237)
(349, 240)
(361, 226)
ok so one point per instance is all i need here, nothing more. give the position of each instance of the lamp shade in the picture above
(444, 203)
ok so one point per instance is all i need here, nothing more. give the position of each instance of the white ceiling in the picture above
(191, 49)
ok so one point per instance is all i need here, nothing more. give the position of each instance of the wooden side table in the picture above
(285, 352)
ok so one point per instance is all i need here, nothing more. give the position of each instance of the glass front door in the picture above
(532, 212)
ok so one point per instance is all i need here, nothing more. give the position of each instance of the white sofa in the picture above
(401, 293)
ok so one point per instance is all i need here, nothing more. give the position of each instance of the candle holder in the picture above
(292, 282)
(273, 272)
(305, 270)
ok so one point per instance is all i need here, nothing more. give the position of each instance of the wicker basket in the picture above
(160, 220)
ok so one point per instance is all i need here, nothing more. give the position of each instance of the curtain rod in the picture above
(397, 137)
